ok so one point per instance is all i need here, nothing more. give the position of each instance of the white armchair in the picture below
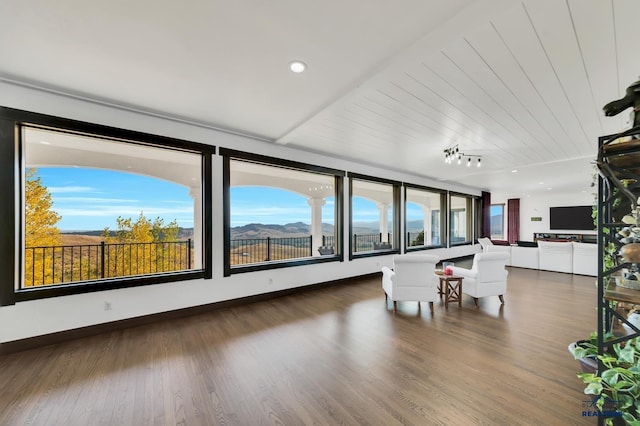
(485, 243)
(487, 276)
(412, 279)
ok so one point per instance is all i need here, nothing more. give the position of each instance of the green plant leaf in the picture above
(593, 389)
(579, 352)
(607, 358)
(610, 376)
(629, 419)
(624, 402)
(624, 385)
(589, 377)
(627, 353)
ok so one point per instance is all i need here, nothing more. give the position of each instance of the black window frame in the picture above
(232, 154)
(471, 219)
(397, 185)
(443, 210)
(11, 176)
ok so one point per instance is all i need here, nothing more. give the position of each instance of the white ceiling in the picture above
(521, 83)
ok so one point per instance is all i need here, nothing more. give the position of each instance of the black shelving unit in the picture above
(618, 191)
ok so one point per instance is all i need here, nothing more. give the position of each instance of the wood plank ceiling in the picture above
(520, 83)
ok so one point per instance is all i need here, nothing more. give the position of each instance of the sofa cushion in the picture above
(525, 257)
(555, 256)
(585, 259)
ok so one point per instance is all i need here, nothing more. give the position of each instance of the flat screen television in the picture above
(571, 218)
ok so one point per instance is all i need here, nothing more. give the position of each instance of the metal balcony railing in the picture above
(51, 265)
(256, 250)
(368, 242)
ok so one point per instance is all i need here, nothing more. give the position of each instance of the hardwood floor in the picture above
(328, 356)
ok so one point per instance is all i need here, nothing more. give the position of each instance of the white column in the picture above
(196, 194)
(426, 211)
(383, 208)
(316, 223)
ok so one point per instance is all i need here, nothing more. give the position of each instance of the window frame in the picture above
(11, 223)
(396, 215)
(232, 154)
(443, 209)
(470, 219)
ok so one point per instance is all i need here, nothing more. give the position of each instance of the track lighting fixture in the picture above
(453, 153)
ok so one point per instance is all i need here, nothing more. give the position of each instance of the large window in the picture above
(279, 213)
(423, 218)
(375, 215)
(460, 219)
(102, 208)
(497, 221)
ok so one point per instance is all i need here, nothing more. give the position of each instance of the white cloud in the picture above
(68, 189)
(125, 211)
(85, 200)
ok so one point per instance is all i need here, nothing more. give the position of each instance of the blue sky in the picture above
(92, 199)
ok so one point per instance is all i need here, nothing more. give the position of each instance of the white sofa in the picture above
(525, 257)
(558, 256)
(585, 259)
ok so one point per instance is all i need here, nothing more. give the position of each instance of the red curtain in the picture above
(513, 215)
(486, 215)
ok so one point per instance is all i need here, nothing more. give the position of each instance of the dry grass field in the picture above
(78, 240)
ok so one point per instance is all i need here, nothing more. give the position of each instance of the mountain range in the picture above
(295, 229)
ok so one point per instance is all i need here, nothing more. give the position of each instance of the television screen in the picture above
(571, 218)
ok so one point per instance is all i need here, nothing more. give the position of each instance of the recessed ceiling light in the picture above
(549, 189)
(297, 66)
(514, 171)
(540, 183)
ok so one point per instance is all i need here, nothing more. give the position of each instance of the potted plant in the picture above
(586, 352)
(616, 390)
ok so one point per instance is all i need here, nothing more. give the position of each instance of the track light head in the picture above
(453, 153)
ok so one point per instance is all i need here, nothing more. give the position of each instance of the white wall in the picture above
(33, 318)
(538, 206)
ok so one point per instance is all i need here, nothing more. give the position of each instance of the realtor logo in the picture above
(608, 408)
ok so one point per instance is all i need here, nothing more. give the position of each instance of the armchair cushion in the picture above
(500, 248)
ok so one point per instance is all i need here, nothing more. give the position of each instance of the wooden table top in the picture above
(442, 275)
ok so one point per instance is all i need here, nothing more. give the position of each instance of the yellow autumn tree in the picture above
(142, 247)
(41, 233)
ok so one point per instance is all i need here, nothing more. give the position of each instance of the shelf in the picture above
(615, 293)
(564, 236)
